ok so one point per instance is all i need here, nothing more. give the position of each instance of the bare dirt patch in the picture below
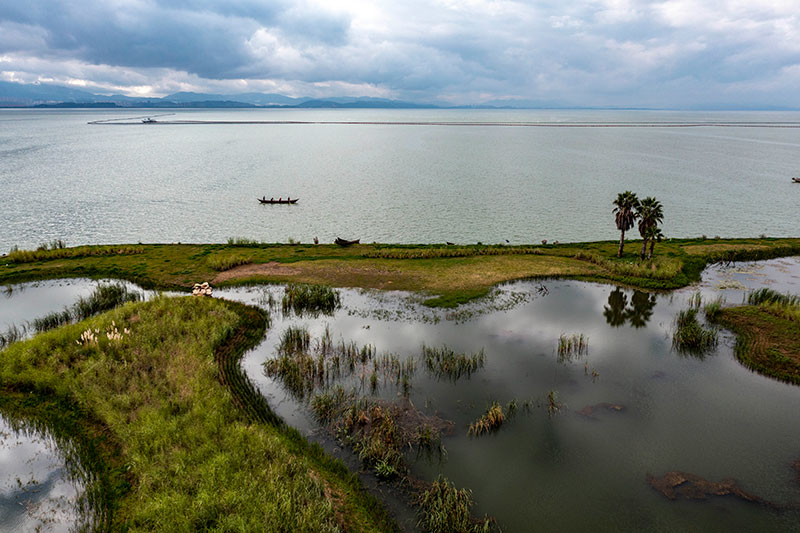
(270, 269)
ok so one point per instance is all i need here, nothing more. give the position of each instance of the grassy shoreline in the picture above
(183, 443)
(450, 275)
(766, 342)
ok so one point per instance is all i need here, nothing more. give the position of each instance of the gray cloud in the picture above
(589, 52)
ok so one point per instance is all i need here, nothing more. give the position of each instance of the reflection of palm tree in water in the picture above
(617, 311)
(643, 304)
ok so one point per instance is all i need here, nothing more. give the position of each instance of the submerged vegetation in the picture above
(193, 459)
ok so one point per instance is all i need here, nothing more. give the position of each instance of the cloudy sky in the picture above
(630, 53)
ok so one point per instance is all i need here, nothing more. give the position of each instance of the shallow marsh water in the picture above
(709, 416)
(39, 489)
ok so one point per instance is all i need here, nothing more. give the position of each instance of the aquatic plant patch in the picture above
(445, 363)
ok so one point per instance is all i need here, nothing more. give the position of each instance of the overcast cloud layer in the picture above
(630, 53)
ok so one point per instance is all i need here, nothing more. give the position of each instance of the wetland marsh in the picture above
(628, 405)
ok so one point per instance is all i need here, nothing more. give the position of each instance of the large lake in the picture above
(62, 178)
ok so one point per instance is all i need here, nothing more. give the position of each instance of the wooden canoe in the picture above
(292, 201)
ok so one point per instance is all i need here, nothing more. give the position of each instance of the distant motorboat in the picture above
(796, 180)
(278, 201)
(149, 120)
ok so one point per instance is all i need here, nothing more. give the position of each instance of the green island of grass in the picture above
(450, 275)
(175, 436)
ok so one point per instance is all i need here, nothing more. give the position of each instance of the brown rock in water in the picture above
(590, 410)
(675, 485)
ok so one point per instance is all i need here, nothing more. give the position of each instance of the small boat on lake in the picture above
(342, 242)
(278, 201)
(149, 120)
(796, 180)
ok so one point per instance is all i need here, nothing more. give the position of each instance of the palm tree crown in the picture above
(625, 207)
(650, 213)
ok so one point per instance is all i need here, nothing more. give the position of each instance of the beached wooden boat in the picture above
(279, 201)
(796, 180)
(342, 242)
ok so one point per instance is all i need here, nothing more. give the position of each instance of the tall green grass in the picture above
(445, 509)
(312, 300)
(782, 305)
(45, 253)
(661, 267)
(221, 262)
(689, 336)
(197, 462)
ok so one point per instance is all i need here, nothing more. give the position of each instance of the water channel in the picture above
(584, 467)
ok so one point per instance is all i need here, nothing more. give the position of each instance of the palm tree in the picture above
(624, 214)
(650, 214)
(653, 234)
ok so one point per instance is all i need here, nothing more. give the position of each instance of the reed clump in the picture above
(228, 261)
(310, 299)
(46, 252)
(444, 508)
(490, 421)
(378, 431)
(305, 366)
(572, 346)
(689, 336)
(445, 363)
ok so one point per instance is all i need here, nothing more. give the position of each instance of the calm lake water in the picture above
(61, 178)
(709, 415)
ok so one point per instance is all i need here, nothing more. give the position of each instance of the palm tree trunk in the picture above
(644, 248)
(652, 245)
(621, 242)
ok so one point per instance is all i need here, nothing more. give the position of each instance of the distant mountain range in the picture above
(43, 95)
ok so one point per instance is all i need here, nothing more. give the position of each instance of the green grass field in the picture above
(179, 442)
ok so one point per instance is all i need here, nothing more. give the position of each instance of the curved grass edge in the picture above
(254, 323)
(765, 343)
(42, 403)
